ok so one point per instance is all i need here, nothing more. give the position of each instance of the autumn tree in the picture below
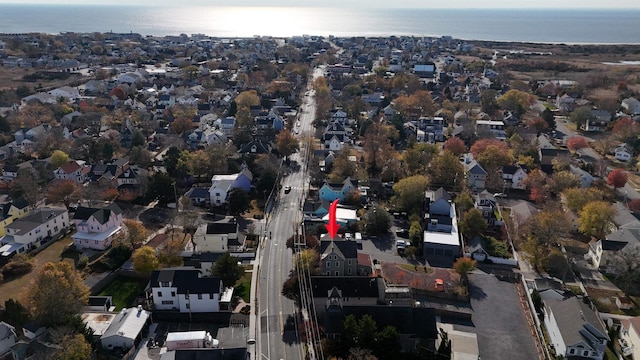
(445, 170)
(406, 191)
(26, 186)
(170, 256)
(562, 180)
(72, 347)
(617, 178)
(418, 157)
(576, 143)
(56, 294)
(181, 126)
(136, 232)
(59, 158)
(472, 224)
(464, 266)
(145, 260)
(377, 147)
(580, 116)
(481, 145)
(455, 145)
(546, 226)
(286, 143)
(64, 191)
(595, 218)
(227, 269)
(516, 101)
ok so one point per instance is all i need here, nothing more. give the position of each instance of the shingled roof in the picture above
(102, 215)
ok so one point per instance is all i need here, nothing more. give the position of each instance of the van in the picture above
(358, 238)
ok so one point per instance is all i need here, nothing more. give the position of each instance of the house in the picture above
(8, 337)
(491, 128)
(33, 230)
(339, 257)
(126, 329)
(513, 176)
(629, 337)
(474, 172)
(631, 106)
(185, 291)
(75, 170)
(605, 253)
(548, 156)
(255, 147)
(349, 290)
(227, 126)
(339, 191)
(441, 237)
(426, 70)
(599, 121)
(574, 329)
(100, 303)
(132, 179)
(97, 227)
(344, 215)
(198, 196)
(13, 210)
(219, 237)
(428, 129)
(623, 152)
(221, 185)
(486, 203)
(565, 103)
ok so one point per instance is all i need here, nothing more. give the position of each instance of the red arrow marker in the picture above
(332, 226)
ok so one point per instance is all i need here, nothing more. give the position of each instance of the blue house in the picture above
(340, 191)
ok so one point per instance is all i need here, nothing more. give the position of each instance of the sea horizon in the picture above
(569, 26)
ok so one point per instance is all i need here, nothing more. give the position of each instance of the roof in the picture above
(442, 238)
(350, 286)
(36, 218)
(196, 193)
(571, 316)
(127, 324)
(418, 322)
(70, 167)
(101, 215)
(436, 195)
(227, 226)
(349, 249)
(186, 281)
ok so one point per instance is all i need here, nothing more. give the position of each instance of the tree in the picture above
(64, 191)
(464, 266)
(56, 294)
(181, 126)
(19, 265)
(617, 178)
(286, 143)
(136, 232)
(74, 347)
(239, 202)
(549, 118)
(170, 255)
(377, 220)
(464, 202)
(161, 188)
(580, 116)
(445, 171)
(472, 224)
(59, 158)
(576, 143)
(516, 101)
(145, 260)
(228, 269)
(140, 156)
(291, 288)
(546, 226)
(455, 145)
(405, 193)
(26, 186)
(418, 157)
(415, 234)
(481, 145)
(562, 180)
(595, 218)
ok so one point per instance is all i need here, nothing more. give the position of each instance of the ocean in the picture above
(544, 26)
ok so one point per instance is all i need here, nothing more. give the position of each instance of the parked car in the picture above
(287, 189)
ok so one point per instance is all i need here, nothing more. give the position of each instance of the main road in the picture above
(278, 336)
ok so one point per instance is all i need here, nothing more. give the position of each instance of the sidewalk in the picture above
(254, 320)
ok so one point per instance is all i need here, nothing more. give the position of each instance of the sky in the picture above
(465, 4)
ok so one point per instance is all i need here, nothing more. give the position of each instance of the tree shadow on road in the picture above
(476, 292)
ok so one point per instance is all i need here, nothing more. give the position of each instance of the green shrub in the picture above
(496, 247)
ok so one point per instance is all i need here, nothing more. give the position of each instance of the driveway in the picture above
(498, 319)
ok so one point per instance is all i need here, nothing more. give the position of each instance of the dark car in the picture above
(287, 189)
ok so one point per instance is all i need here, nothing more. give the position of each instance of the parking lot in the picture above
(498, 319)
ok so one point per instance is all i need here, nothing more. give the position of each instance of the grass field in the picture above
(124, 290)
(16, 288)
(243, 287)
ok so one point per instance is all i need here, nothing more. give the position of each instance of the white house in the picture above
(75, 170)
(67, 92)
(8, 337)
(184, 290)
(31, 231)
(441, 237)
(219, 237)
(629, 337)
(493, 127)
(126, 329)
(476, 175)
(221, 185)
(227, 126)
(623, 153)
(513, 177)
(604, 254)
(574, 329)
(97, 227)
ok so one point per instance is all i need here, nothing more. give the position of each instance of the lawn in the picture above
(243, 287)
(124, 290)
(16, 288)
